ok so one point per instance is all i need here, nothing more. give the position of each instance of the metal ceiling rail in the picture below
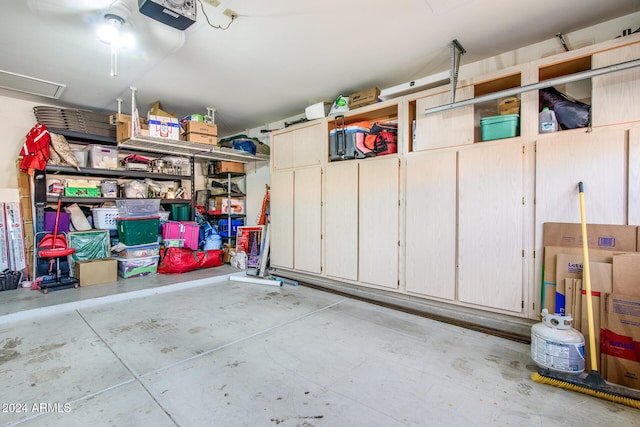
(535, 86)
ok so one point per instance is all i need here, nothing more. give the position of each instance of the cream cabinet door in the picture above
(615, 96)
(301, 146)
(378, 222)
(281, 219)
(596, 158)
(307, 220)
(490, 230)
(430, 259)
(341, 220)
(446, 128)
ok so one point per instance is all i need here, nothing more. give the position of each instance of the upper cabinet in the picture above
(298, 146)
(616, 95)
(446, 128)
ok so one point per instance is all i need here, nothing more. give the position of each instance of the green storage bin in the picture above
(138, 231)
(499, 127)
(180, 212)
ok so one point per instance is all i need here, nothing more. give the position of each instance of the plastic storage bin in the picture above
(187, 231)
(180, 212)
(223, 227)
(499, 127)
(138, 231)
(136, 267)
(105, 218)
(103, 157)
(138, 208)
(63, 222)
(140, 251)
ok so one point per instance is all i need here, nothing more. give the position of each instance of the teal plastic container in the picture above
(180, 212)
(499, 127)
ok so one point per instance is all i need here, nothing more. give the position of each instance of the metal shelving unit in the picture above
(228, 176)
(190, 149)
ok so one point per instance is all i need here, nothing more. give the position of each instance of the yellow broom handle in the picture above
(586, 278)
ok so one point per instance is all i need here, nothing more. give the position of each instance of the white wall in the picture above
(18, 119)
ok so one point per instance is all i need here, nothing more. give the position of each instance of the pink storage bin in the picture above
(188, 231)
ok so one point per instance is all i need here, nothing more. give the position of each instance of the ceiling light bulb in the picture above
(108, 33)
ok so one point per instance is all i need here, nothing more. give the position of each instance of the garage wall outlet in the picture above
(230, 13)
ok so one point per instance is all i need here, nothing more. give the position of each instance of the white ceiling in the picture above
(278, 56)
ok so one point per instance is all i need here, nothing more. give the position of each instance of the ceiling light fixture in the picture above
(111, 32)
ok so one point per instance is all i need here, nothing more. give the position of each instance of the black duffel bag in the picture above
(571, 114)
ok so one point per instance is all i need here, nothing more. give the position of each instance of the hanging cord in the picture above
(218, 27)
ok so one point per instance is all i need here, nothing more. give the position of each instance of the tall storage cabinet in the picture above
(307, 219)
(490, 216)
(341, 220)
(378, 238)
(456, 218)
(295, 216)
(431, 205)
(281, 219)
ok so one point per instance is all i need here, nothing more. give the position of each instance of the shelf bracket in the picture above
(456, 52)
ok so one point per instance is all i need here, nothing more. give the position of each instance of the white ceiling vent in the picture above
(30, 85)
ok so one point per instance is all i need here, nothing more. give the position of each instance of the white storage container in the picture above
(105, 218)
(103, 157)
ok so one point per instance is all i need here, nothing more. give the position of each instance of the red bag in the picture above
(181, 260)
(382, 139)
(35, 151)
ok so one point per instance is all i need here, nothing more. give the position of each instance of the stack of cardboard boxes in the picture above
(202, 133)
(614, 266)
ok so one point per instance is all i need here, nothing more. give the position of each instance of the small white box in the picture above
(103, 157)
(164, 127)
(317, 111)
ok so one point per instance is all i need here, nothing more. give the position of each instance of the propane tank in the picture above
(556, 346)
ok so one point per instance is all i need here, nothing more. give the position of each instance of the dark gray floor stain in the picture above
(460, 365)
(524, 389)
(233, 364)
(512, 371)
(168, 349)
(48, 374)
(8, 351)
(197, 329)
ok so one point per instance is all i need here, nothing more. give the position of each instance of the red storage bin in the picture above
(186, 231)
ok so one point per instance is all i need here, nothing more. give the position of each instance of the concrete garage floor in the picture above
(197, 350)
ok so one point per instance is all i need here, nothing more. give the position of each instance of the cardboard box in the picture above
(626, 274)
(224, 167)
(155, 110)
(123, 130)
(201, 128)
(199, 138)
(96, 271)
(227, 253)
(164, 127)
(364, 97)
(549, 277)
(609, 237)
(570, 266)
(621, 339)
(236, 206)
